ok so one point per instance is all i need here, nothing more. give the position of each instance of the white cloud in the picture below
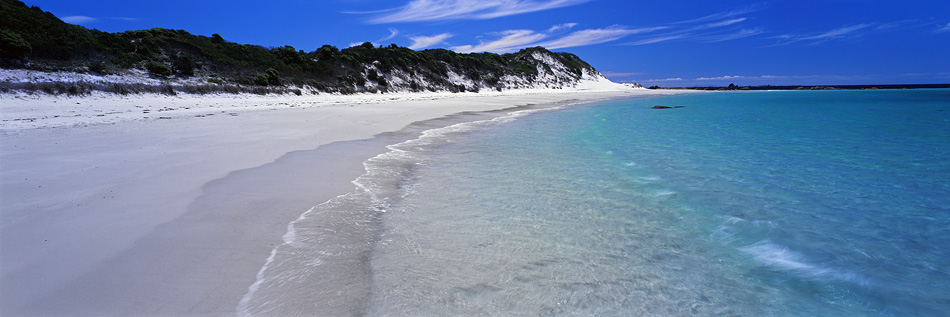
(420, 42)
(835, 34)
(723, 15)
(564, 26)
(595, 36)
(77, 19)
(658, 39)
(720, 77)
(724, 23)
(441, 10)
(392, 33)
(944, 29)
(511, 40)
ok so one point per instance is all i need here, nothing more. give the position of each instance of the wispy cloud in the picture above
(724, 14)
(719, 27)
(657, 39)
(420, 42)
(720, 77)
(595, 36)
(725, 23)
(392, 33)
(664, 79)
(77, 19)
(511, 40)
(564, 26)
(442, 10)
(835, 34)
(944, 29)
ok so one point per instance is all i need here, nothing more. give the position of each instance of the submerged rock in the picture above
(662, 107)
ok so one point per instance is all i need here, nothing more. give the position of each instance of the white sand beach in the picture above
(170, 205)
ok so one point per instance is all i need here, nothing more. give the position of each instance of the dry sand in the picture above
(156, 205)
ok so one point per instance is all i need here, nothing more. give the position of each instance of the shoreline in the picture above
(171, 216)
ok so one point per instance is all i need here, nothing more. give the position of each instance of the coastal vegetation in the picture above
(36, 40)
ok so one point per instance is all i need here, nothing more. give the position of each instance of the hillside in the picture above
(164, 60)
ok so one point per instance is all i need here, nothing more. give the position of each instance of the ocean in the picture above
(734, 203)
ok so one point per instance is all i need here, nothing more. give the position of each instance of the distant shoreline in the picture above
(815, 87)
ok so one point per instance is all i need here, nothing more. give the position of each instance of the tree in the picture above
(290, 55)
(327, 52)
(217, 39)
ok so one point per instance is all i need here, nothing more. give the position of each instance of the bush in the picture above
(261, 79)
(270, 77)
(157, 69)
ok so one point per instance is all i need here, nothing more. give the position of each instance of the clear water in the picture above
(753, 203)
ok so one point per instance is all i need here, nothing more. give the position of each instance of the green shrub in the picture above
(270, 77)
(157, 69)
(261, 79)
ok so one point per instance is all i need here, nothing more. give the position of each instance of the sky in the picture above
(665, 43)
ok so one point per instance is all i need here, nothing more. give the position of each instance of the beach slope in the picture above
(158, 205)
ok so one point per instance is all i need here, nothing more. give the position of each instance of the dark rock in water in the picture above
(662, 107)
(679, 107)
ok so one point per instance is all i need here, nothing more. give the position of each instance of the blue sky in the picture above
(665, 43)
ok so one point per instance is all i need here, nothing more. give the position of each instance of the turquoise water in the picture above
(748, 203)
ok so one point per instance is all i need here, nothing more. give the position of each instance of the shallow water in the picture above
(752, 203)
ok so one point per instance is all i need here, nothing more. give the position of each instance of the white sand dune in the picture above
(159, 205)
